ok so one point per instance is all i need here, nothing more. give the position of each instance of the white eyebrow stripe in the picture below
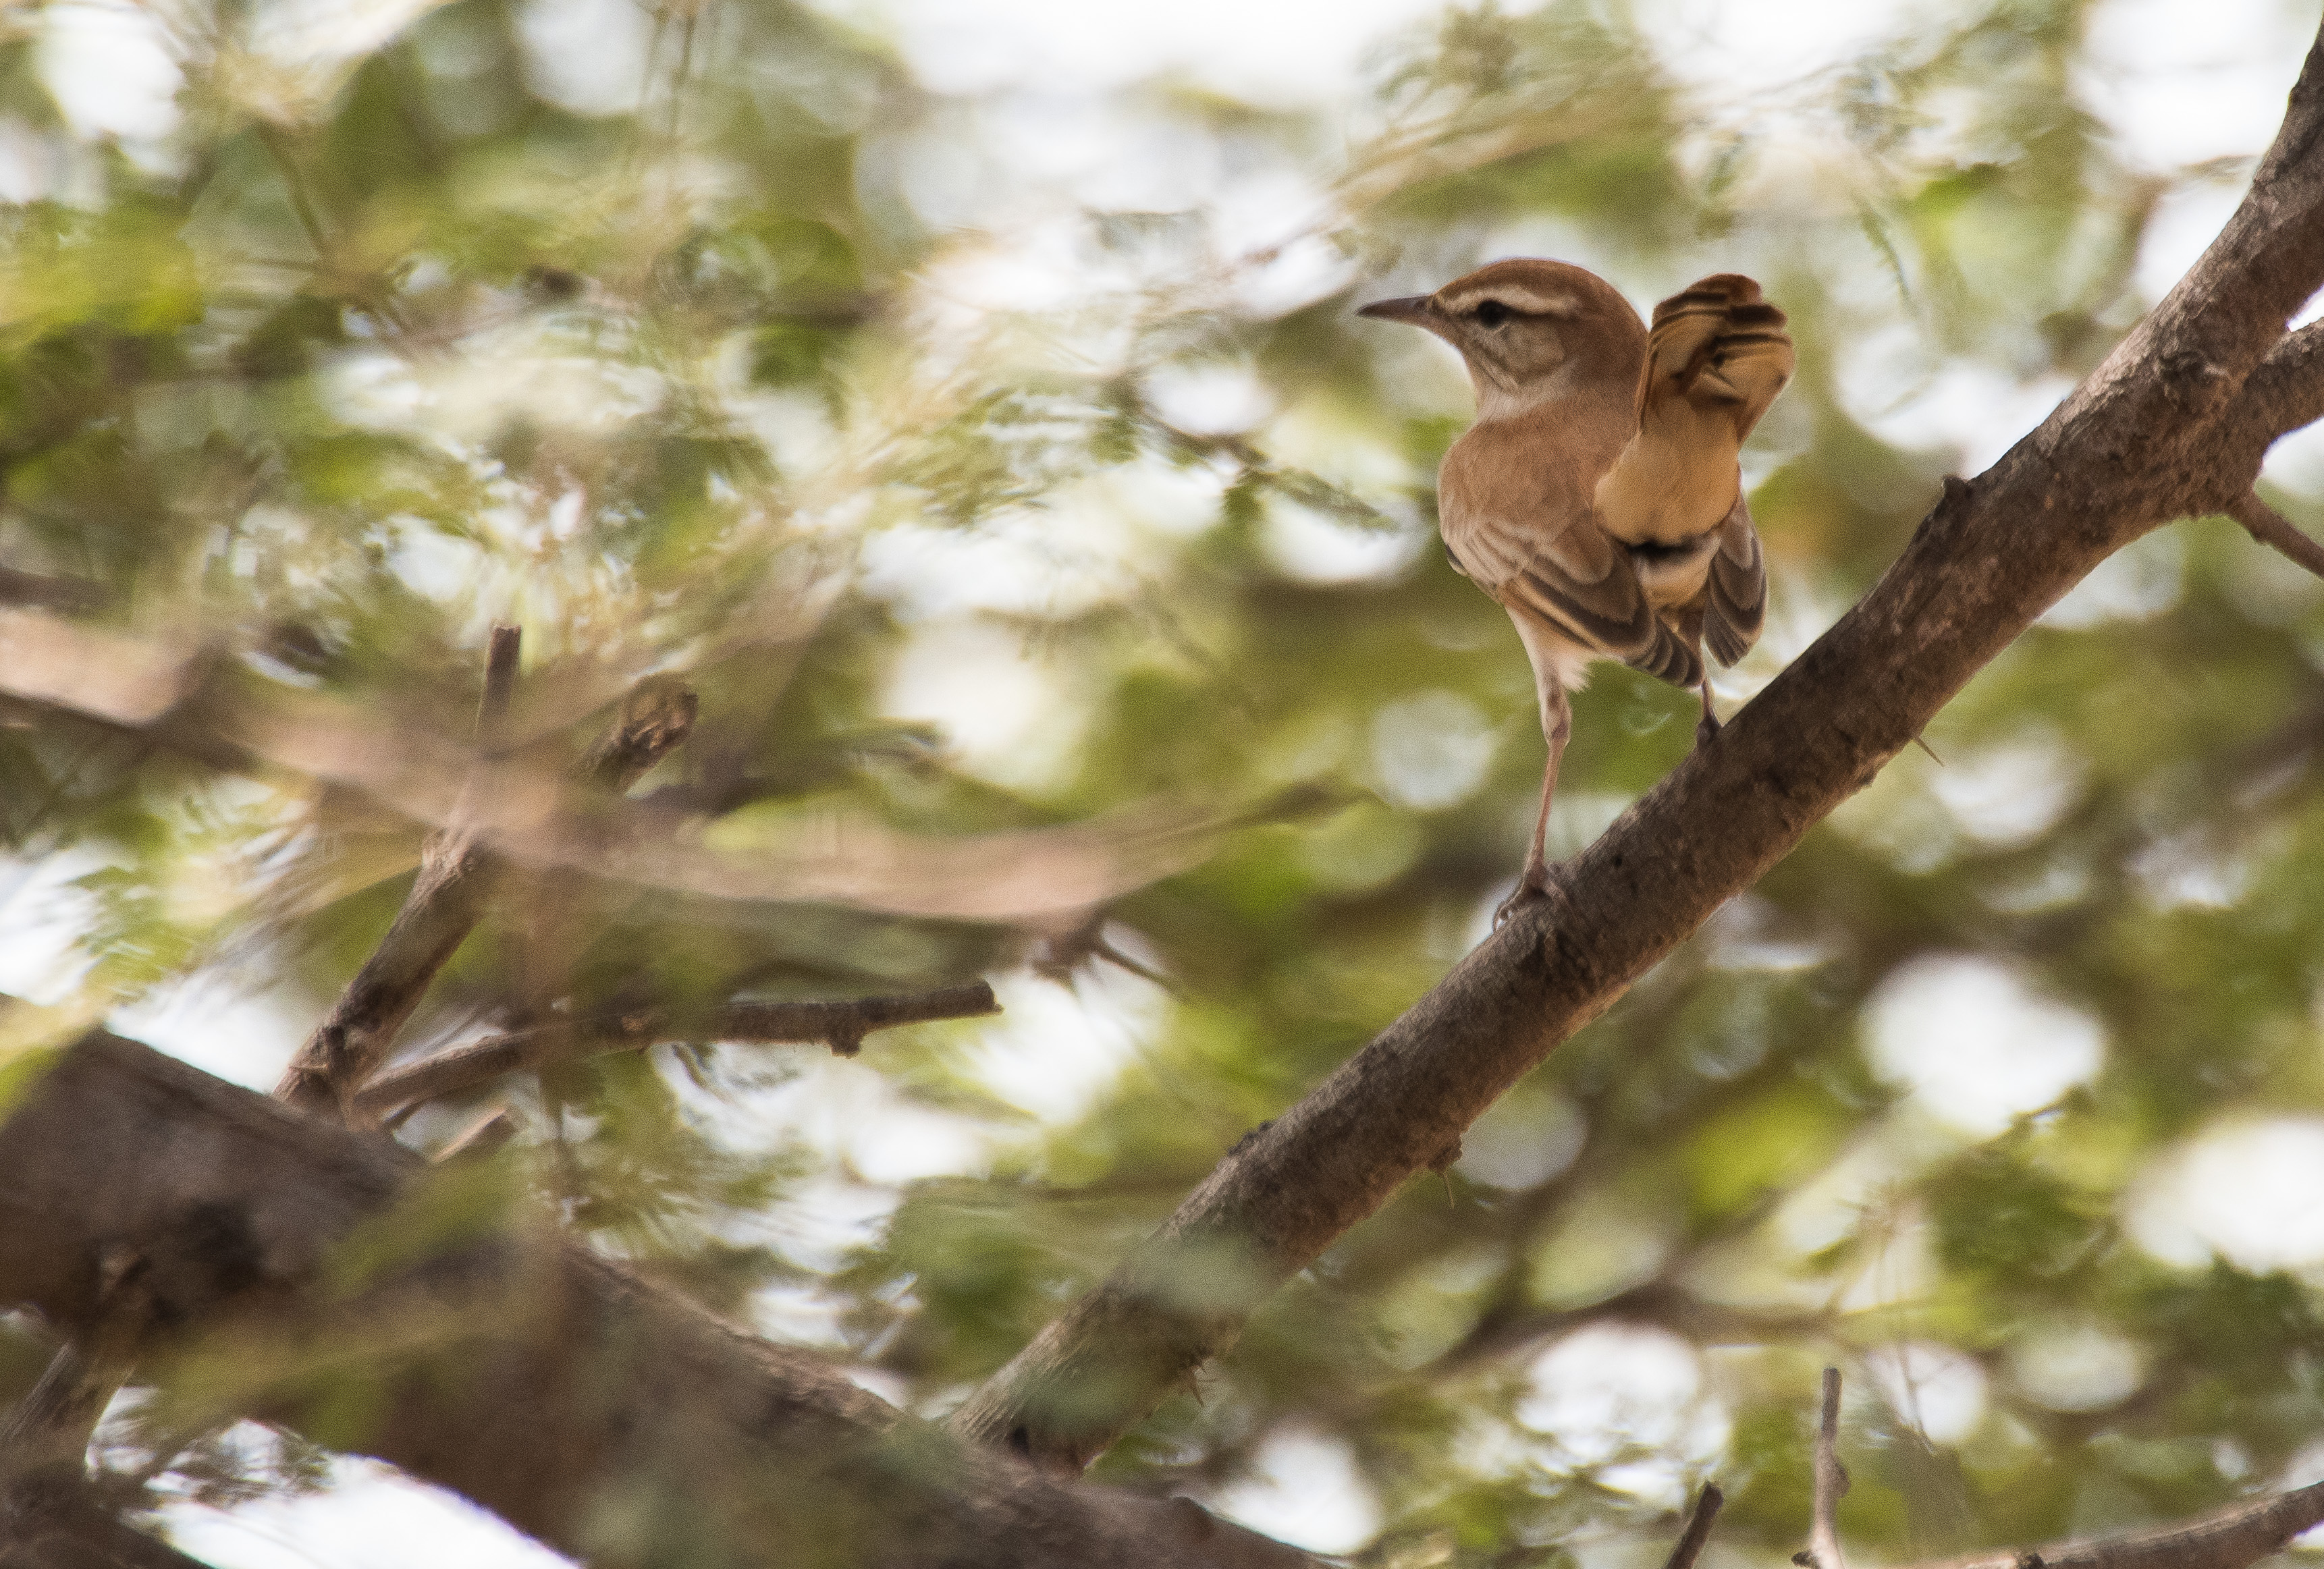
(1517, 296)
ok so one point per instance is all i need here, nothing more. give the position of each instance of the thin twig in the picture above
(2271, 527)
(656, 717)
(443, 907)
(1830, 1484)
(480, 1138)
(456, 878)
(1691, 1540)
(840, 1024)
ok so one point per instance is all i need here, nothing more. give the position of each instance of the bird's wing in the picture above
(1715, 356)
(1581, 585)
(1517, 518)
(1736, 589)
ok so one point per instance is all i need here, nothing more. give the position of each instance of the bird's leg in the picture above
(1533, 883)
(1707, 726)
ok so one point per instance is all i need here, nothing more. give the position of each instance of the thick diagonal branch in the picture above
(2159, 431)
(840, 1024)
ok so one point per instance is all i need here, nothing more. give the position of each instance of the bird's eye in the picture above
(1492, 313)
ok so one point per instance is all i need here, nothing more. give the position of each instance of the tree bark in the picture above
(276, 1264)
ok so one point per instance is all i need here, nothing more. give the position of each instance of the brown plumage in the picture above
(1598, 497)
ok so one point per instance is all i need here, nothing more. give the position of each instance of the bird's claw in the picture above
(1706, 729)
(1532, 887)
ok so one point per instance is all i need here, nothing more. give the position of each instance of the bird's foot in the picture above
(1706, 729)
(1533, 886)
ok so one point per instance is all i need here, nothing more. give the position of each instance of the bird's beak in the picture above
(1418, 309)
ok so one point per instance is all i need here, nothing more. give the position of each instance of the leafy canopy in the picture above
(969, 499)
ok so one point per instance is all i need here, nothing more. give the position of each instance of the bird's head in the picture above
(1531, 331)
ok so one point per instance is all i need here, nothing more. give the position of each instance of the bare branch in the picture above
(53, 594)
(458, 873)
(840, 1024)
(2156, 432)
(488, 1133)
(2270, 527)
(2287, 391)
(544, 1383)
(1697, 1535)
(2234, 1537)
(1830, 1484)
(443, 907)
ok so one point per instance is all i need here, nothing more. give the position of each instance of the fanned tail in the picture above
(1715, 356)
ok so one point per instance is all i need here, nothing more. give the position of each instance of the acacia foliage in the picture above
(772, 368)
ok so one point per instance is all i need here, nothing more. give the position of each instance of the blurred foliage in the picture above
(761, 363)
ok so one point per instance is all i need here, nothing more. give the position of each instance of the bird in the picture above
(1598, 494)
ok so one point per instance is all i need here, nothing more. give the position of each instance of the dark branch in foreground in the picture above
(48, 1433)
(2174, 424)
(57, 1523)
(839, 1024)
(588, 1407)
